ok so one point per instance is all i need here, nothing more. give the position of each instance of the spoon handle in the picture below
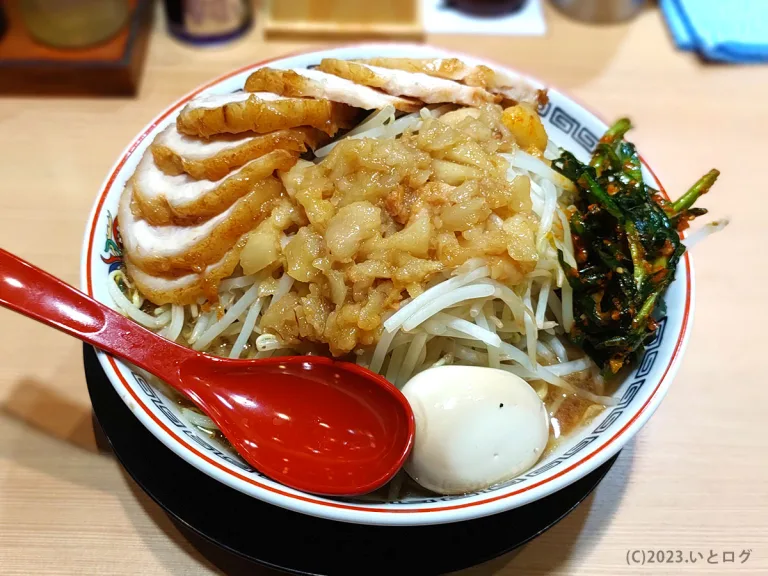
(29, 290)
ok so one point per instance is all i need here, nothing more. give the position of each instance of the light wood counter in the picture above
(695, 479)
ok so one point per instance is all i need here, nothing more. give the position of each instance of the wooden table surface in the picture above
(695, 479)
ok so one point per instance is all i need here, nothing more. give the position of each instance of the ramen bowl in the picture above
(637, 396)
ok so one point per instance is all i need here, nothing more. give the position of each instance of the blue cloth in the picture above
(724, 30)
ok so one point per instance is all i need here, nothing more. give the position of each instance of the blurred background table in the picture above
(695, 479)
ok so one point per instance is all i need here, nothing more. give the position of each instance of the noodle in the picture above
(395, 361)
(232, 314)
(381, 350)
(248, 325)
(531, 333)
(570, 367)
(446, 301)
(129, 308)
(173, 330)
(558, 348)
(541, 303)
(398, 318)
(411, 358)
(525, 161)
(493, 352)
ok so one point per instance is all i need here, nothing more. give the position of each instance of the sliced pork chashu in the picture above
(211, 159)
(261, 112)
(186, 289)
(511, 87)
(316, 84)
(429, 89)
(176, 250)
(162, 199)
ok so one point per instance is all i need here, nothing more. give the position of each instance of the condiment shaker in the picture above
(208, 21)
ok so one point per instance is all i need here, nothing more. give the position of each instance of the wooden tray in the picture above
(112, 68)
(348, 18)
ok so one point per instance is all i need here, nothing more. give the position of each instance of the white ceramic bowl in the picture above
(570, 126)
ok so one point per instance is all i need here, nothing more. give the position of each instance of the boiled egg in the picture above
(475, 427)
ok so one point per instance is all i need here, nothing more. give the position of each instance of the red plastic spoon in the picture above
(309, 422)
